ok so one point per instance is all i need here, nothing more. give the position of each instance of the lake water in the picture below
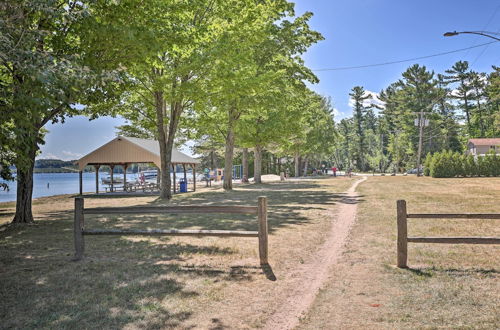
(49, 184)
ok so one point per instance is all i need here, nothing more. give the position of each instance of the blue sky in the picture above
(357, 32)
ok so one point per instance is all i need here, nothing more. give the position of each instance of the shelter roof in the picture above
(126, 150)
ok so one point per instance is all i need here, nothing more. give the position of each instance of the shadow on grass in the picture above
(121, 283)
(455, 272)
(420, 272)
(55, 293)
(268, 271)
(124, 282)
(6, 212)
(286, 201)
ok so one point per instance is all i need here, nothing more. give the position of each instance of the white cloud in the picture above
(336, 112)
(47, 156)
(68, 155)
(337, 115)
(64, 155)
(373, 99)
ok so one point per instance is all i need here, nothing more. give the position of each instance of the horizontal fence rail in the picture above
(260, 210)
(403, 239)
(172, 209)
(493, 216)
(173, 232)
(454, 240)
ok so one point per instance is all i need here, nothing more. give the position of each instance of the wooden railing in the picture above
(403, 238)
(260, 210)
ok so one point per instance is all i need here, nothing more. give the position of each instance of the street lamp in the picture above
(482, 33)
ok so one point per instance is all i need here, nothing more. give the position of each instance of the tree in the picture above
(460, 73)
(359, 96)
(170, 48)
(256, 62)
(311, 135)
(492, 94)
(478, 83)
(43, 73)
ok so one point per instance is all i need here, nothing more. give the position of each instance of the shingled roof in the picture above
(485, 141)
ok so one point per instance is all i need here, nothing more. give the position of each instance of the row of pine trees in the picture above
(382, 136)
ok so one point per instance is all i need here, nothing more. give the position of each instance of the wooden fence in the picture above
(260, 210)
(403, 238)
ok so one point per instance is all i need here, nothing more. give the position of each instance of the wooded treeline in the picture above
(224, 72)
(383, 136)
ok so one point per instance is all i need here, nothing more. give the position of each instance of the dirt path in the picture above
(312, 274)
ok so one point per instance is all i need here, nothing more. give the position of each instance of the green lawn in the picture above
(446, 286)
(158, 282)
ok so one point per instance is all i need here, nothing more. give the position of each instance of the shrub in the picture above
(470, 167)
(447, 164)
(440, 165)
(481, 166)
(427, 164)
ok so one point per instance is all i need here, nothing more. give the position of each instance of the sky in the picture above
(356, 32)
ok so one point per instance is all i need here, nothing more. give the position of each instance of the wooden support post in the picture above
(125, 177)
(185, 173)
(112, 180)
(402, 234)
(80, 179)
(96, 178)
(173, 176)
(282, 176)
(263, 232)
(193, 166)
(78, 229)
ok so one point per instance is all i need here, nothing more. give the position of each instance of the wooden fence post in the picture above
(263, 242)
(78, 229)
(194, 176)
(80, 181)
(402, 234)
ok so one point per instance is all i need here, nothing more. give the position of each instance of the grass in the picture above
(446, 286)
(215, 283)
(160, 282)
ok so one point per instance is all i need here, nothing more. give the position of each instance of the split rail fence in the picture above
(260, 210)
(403, 238)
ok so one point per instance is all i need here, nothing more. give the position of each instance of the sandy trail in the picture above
(314, 273)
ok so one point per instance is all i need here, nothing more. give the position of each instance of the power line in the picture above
(484, 28)
(402, 61)
(484, 49)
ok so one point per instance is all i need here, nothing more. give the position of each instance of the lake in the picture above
(50, 184)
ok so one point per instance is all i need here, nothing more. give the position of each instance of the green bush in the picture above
(481, 166)
(447, 164)
(470, 167)
(427, 164)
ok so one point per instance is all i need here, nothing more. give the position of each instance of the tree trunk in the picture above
(25, 190)
(165, 157)
(306, 164)
(257, 164)
(244, 161)
(297, 165)
(175, 115)
(229, 150)
(480, 114)
(212, 161)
